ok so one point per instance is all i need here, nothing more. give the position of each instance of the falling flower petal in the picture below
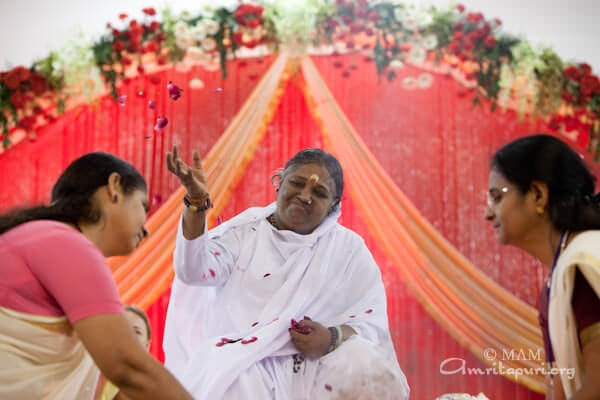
(203, 276)
(328, 387)
(369, 311)
(157, 199)
(252, 339)
(254, 324)
(122, 99)
(353, 316)
(140, 93)
(152, 104)
(266, 275)
(161, 123)
(219, 344)
(174, 90)
(219, 220)
(212, 272)
(218, 90)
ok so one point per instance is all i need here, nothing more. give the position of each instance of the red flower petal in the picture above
(353, 316)
(328, 387)
(216, 253)
(212, 272)
(254, 324)
(219, 344)
(369, 311)
(122, 99)
(266, 275)
(252, 339)
(152, 104)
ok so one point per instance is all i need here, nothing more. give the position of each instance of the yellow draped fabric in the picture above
(472, 308)
(145, 274)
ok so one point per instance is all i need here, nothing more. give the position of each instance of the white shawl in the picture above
(244, 278)
(583, 253)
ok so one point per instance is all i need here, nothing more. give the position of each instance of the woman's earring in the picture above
(540, 210)
(115, 198)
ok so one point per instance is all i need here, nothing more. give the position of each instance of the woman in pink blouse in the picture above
(58, 302)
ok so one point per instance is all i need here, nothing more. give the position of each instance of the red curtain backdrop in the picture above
(434, 143)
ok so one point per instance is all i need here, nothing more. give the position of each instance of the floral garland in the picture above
(496, 66)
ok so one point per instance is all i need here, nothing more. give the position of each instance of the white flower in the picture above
(196, 84)
(399, 14)
(410, 23)
(425, 80)
(180, 28)
(195, 53)
(209, 44)
(417, 54)
(211, 26)
(424, 19)
(198, 32)
(430, 41)
(396, 64)
(409, 83)
(184, 41)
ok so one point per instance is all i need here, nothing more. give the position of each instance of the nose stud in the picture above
(309, 201)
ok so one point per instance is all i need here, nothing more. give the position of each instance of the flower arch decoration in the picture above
(495, 65)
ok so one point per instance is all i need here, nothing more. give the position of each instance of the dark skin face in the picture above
(305, 197)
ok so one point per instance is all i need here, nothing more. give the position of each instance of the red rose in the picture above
(37, 110)
(237, 37)
(38, 84)
(122, 16)
(118, 46)
(252, 23)
(17, 100)
(475, 18)
(160, 37)
(497, 21)
(459, 26)
(468, 45)
(161, 61)
(454, 48)
(27, 123)
(12, 80)
(458, 36)
(140, 70)
(490, 41)
(154, 26)
(589, 84)
(486, 29)
(566, 96)
(116, 33)
(151, 47)
(571, 124)
(585, 69)
(460, 8)
(583, 139)
(473, 36)
(572, 72)
(373, 16)
(149, 11)
(126, 61)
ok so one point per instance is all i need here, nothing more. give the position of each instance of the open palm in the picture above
(192, 178)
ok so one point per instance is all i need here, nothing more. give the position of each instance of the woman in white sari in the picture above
(229, 331)
(541, 199)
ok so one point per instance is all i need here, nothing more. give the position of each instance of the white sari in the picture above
(582, 253)
(246, 279)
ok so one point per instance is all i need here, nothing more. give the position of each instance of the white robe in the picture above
(246, 279)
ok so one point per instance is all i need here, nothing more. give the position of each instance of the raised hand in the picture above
(192, 178)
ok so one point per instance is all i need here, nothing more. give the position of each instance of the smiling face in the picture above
(125, 220)
(305, 197)
(512, 213)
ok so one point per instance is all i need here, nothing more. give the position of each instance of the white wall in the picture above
(30, 28)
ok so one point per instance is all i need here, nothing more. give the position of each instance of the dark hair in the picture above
(140, 313)
(72, 192)
(323, 158)
(544, 158)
